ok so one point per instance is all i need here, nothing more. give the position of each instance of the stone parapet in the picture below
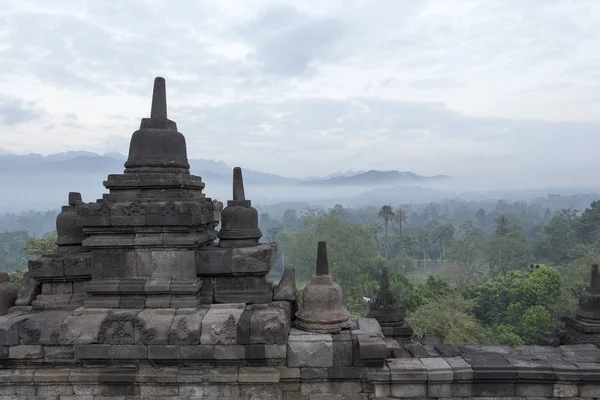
(52, 372)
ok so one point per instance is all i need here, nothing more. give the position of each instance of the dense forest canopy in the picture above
(470, 271)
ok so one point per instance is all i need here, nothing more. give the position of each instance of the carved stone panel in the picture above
(124, 327)
(219, 325)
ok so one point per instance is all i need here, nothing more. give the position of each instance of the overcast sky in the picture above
(301, 88)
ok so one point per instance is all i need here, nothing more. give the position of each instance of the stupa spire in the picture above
(322, 262)
(159, 99)
(385, 279)
(157, 146)
(595, 279)
(238, 185)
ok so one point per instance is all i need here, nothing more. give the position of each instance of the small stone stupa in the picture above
(322, 307)
(239, 220)
(386, 309)
(584, 328)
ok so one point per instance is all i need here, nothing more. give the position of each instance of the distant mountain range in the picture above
(39, 182)
(82, 162)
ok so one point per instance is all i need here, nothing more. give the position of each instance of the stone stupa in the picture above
(322, 309)
(386, 309)
(584, 327)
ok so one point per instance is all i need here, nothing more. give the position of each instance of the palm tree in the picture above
(386, 214)
(400, 217)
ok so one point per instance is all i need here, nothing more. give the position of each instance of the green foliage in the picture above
(508, 248)
(11, 256)
(17, 276)
(510, 299)
(504, 335)
(535, 320)
(449, 317)
(37, 247)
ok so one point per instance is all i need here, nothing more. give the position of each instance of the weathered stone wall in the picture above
(50, 372)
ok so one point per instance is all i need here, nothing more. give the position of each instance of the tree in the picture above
(558, 244)
(450, 319)
(386, 214)
(444, 235)
(508, 247)
(38, 247)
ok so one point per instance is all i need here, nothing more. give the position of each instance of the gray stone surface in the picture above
(322, 301)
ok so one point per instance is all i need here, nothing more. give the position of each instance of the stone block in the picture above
(254, 260)
(255, 352)
(44, 375)
(308, 373)
(26, 352)
(379, 374)
(286, 373)
(212, 261)
(229, 352)
(347, 373)
(119, 375)
(197, 352)
(92, 352)
(54, 390)
(149, 374)
(275, 351)
(269, 324)
(159, 321)
(59, 353)
(191, 374)
(414, 390)
(438, 370)
(163, 352)
(219, 325)
(565, 372)
(191, 390)
(370, 326)
(222, 391)
(79, 375)
(462, 389)
(260, 391)
(243, 327)
(9, 328)
(128, 352)
(407, 370)
(589, 390)
(310, 350)
(222, 375)
(160, 391)
(371, 348)
(343, 352)
(494, 389)
(461, 370)
(19, 375)
(80, 329)
(258, 375)
(590, 372)
(529, 389)
(443, 390)
(187, 326)
(561, 389)
(345, 387)
(314, 387)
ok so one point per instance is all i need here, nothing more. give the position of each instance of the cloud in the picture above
(15, 111)
(307, 87)
(289, 42)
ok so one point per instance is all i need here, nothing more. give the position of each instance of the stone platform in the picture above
(310, 367)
